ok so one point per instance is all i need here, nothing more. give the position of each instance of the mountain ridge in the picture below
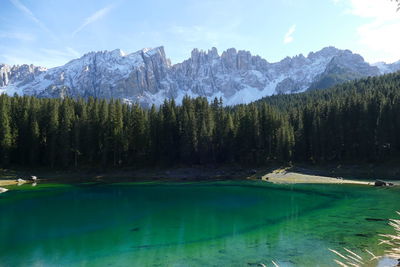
(148, 77)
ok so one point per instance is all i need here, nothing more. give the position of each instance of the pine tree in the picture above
(188, 141)
(104, 141)
(52, 133)
(5, 132)
(65, 128)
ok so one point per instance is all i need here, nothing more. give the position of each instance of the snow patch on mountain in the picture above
(387, 68)
(148, 77)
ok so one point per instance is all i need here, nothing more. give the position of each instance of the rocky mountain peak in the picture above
(354, 62)
(21, 74)
(148, 77)
(328, 51)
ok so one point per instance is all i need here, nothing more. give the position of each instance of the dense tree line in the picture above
(356, 121)
(95, 132)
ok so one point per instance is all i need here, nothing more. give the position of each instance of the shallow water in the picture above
(190, 224)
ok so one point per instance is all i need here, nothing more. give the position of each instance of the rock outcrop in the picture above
(148, 77)
(21, 75)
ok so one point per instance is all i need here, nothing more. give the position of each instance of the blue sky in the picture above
(50, 33)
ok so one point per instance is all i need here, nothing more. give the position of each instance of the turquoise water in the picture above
(191, 224)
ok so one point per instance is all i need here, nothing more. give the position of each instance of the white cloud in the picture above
(288, 36)
(17, 36)
(93, 18)
(379, 9)
(30, 14)
(379, 38)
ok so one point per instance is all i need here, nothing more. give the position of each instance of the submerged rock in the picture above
(386, 261)
(375, 219)
(380, 183)
(362, 235)
(383, 183)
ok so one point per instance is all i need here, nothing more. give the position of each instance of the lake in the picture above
(190, 224)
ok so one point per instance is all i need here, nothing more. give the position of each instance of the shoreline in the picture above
(288, 175)
(284, 176)
(7, 182)
(189, 174)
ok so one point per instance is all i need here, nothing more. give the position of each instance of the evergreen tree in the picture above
(354, 122)
(66, 116)
(5, 131)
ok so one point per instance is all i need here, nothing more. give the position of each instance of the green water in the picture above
(192, 224)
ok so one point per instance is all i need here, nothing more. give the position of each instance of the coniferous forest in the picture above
(354, 122)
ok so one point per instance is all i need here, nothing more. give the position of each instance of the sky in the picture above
(50, 33)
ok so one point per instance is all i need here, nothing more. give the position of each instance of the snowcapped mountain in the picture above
(148, 77)
(344, 67)
(387, 68)
(12, 78)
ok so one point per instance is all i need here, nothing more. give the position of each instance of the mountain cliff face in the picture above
(344, 67)
(13, 76)
(148, 77)
(388, 68)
